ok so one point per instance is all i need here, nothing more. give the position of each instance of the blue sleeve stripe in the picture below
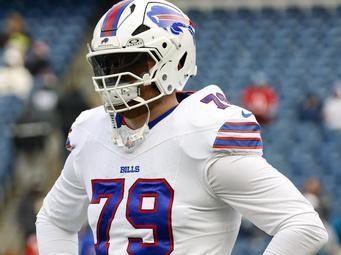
(240, 126)
(238, 143)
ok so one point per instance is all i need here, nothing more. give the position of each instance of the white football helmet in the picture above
(141, 43)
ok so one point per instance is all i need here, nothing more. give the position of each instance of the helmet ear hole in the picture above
(182, 61)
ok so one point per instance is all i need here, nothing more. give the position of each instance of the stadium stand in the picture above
(298, 49)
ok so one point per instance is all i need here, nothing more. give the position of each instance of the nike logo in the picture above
(246, 115)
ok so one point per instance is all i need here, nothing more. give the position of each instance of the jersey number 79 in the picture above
(158, 219)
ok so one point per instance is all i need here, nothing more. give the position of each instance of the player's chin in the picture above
(133, 113)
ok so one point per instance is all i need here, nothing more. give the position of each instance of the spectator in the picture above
(261, 99)
(40, 114)
(70, 106)
(39, 64)
(37, 121)
(31, 246)
(38, 61)
(332, 109)
(310, 109)
(16, 34)
(15, 79)
(28, 208)
(312, 192)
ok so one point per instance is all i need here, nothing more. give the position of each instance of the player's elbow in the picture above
(309, 230)
(316, 236)
(320, 235)
(42, 218)
(323, 237)
(316, 230)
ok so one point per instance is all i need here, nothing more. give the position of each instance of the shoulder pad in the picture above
(228, 128)
(84, 124)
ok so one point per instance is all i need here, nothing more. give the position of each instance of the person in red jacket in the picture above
(31, 245)
(261, 99)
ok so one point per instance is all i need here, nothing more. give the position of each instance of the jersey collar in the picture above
(152, 123)
(180, 95)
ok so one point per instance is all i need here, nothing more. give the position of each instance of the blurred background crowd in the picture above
(282, 63)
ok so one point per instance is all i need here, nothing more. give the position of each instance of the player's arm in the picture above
(269, 200)
(62, 214)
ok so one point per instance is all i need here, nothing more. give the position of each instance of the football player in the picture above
(158, 171)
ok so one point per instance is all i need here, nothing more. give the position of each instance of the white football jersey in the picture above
(157, 199)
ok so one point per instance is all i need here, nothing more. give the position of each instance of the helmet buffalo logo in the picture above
(170, 19)
(105, 40)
